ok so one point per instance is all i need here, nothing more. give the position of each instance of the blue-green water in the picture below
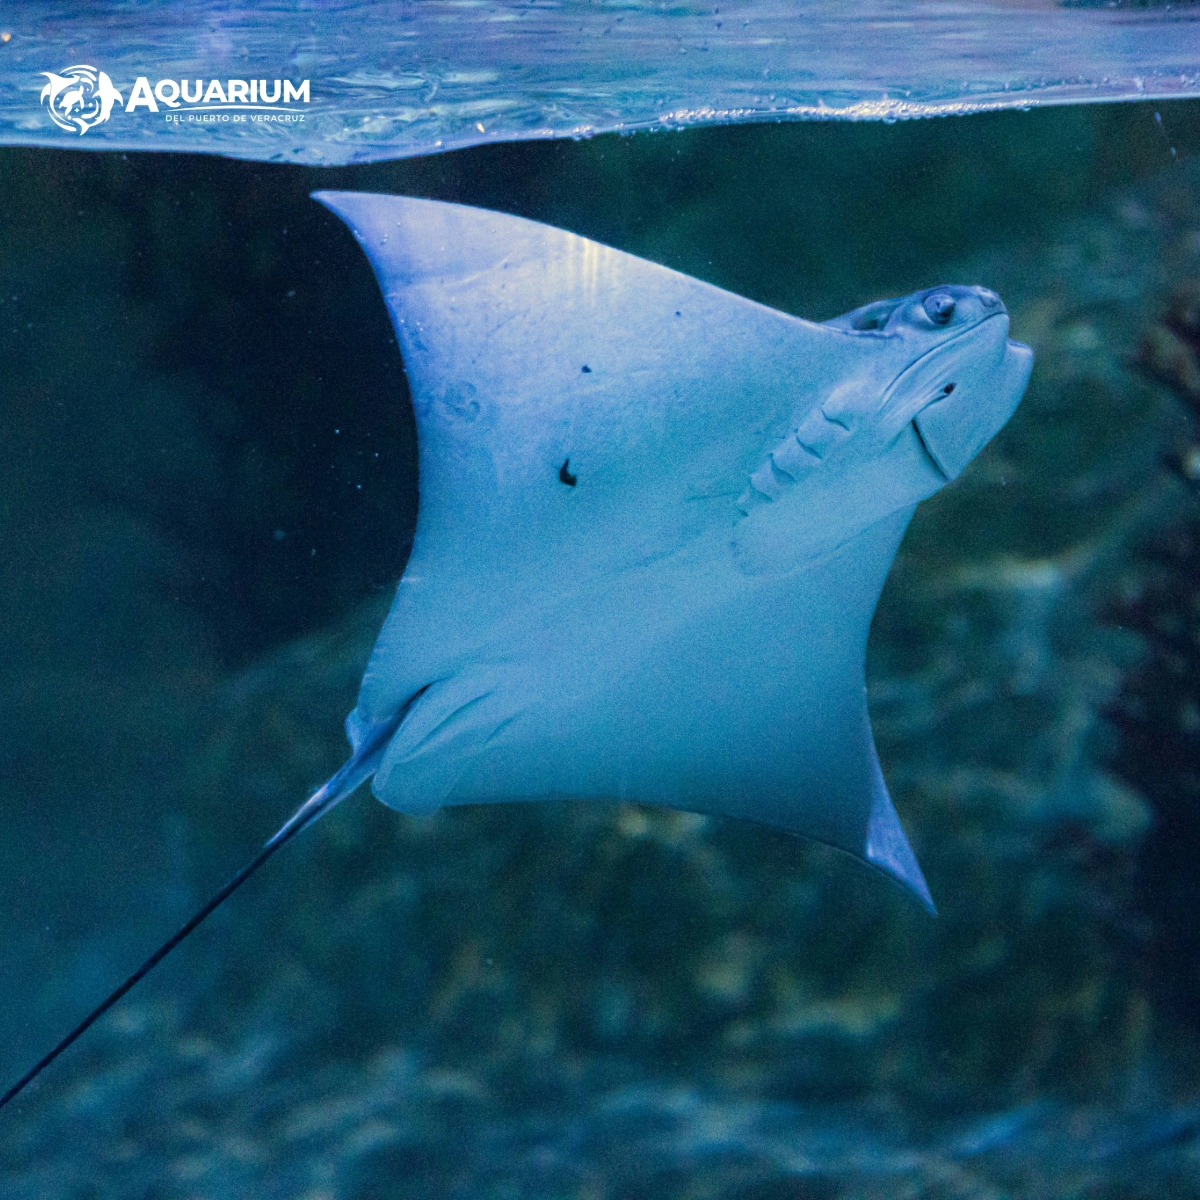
(207, 483)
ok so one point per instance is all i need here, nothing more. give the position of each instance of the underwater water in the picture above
(208, 487)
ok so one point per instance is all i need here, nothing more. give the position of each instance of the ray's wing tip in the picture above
(359, 207)
(900, 865)
(331, 199)
(887, 848)
(347, 204)
(348, 207)
(912, 881)
(353, 207)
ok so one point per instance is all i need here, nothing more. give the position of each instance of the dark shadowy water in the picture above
(207, 483)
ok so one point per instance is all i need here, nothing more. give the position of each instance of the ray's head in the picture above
(958, 377)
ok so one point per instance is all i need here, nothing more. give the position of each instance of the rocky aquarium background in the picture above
(207, 480)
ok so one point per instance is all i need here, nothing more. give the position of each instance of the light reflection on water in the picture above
(441, 74)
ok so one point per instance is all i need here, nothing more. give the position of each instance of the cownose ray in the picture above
(655, 521)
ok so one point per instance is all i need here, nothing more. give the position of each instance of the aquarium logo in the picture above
(217, 100)
(79, 98)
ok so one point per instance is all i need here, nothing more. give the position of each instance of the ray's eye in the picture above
(939, 308)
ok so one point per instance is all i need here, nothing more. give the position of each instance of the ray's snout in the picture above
(986, 375)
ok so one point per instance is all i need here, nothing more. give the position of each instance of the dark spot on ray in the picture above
(947, 389)
(585, 369)
(564, 472)
(678, 313)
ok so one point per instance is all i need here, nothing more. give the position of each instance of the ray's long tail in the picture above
(357, 770)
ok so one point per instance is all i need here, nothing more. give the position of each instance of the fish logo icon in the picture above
(79, 98)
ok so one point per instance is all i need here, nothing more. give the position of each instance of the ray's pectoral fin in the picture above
(446, 724)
